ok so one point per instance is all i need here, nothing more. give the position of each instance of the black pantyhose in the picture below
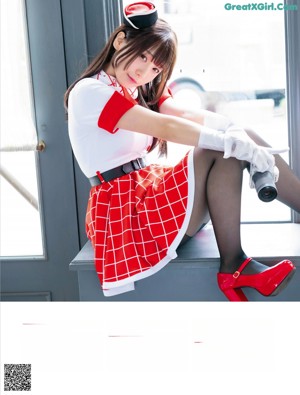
(224, 184)
(222, 181)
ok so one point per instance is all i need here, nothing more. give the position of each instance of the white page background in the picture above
(154, 348)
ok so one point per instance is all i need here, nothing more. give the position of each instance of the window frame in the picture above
(292, 34)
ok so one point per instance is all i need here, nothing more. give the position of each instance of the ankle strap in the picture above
(241, 268)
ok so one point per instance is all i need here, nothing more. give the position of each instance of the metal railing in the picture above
(16, 184)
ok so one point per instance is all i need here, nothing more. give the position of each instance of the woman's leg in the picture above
(288, 185)
(218, 184)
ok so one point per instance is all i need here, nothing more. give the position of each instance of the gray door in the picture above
(47, 276)
(63, 35)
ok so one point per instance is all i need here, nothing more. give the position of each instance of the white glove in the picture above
(253, 170)
(237, 144)
(253, 165)
(275, 171)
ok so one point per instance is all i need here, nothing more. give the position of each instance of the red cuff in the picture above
(165, 97)
(114, 109)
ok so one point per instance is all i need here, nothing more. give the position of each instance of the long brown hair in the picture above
(162, 41)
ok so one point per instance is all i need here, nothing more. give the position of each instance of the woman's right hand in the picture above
(236, 143)
(239, 145)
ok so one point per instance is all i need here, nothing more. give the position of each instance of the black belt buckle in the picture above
(136, 164)
(133, 165)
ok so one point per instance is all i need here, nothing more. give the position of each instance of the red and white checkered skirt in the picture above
(136, 222)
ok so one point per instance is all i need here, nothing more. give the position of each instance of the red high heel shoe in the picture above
(269, 282)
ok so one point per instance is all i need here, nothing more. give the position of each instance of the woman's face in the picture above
(141, 71)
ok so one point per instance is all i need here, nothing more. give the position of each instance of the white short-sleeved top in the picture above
(95, 106)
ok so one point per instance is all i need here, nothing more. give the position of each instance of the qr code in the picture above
(17, 377)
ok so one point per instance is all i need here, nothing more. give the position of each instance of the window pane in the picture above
(20, 217)
(237, 62)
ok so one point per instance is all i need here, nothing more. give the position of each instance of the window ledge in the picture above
(192, 275)
(265, 242)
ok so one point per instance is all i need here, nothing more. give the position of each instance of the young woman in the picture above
(139, 213)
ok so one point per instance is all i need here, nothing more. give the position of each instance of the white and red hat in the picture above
(140, 15)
